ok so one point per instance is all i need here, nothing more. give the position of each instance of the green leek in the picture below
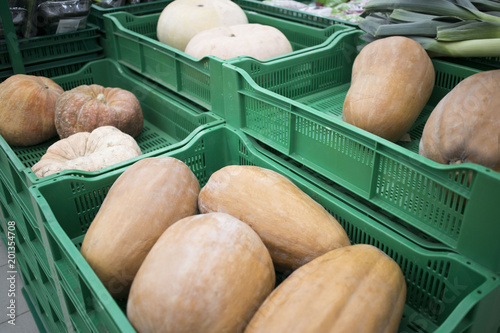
(489, 48)
(467, 31)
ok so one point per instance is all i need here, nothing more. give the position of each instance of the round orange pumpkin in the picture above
(86, 107)
(27, 109)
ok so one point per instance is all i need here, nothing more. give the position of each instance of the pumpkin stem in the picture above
(101, 98)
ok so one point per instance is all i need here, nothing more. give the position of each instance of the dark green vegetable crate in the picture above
(31, 263)
(133, 43)
(53, 54)
(294, 106)
(97, 12)
(446, 292)
(169, 122)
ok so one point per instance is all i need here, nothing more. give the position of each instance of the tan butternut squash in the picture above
(207, 273)
(142, 203)
(465, 125)
(294, 227)
(352, 289)
(392, 80)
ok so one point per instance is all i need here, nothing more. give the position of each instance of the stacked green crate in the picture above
(49, 55)
(169, 123)
(446, 292)
(134, 44)
(294, 106)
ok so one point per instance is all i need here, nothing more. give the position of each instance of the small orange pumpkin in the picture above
(27, 109)
(87, 107)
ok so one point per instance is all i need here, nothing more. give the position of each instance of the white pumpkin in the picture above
(87, 151)
(180, 20)
(254, 40)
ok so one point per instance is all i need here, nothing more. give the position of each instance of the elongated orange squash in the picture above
(207, 273)
(145, 199)
(465, 125)
(392, 80)
(356, 288)
(294, 227)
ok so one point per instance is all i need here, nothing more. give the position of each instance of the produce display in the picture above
(465, 125)
(444, 28)
(146, 199)
(206, 273)
(27, 109)
(250, 251)
(87, 151)
(219, 28)
(87, 107)
(239, 40)
(392, 80)
(355, 288)
(294, 227)
(181, 20)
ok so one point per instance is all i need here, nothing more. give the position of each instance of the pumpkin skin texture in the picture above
(254, 40)
(207, 273)
(86, 107)
(465, 125)
(181, 20)
(294, 227)
(146, 199)
(356, 288)
(27, 109)
(103, 147)
(392, 80)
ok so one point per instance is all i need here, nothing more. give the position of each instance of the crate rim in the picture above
(139, 38)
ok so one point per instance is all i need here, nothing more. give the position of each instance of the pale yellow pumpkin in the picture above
(103, 147)
(254, 40)
(181, 20)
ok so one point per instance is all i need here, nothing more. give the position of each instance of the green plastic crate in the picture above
(134, 44)
(169, 122)
(97, 12)
(446, 292)
(294, 105)
(290, 13)
(30, 260)
(25, 227)
(33, 311)
(48, 49)
(55, 68)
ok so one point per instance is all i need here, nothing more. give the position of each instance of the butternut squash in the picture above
(356, 288)
(207, 273)
(465, 125)
(392, 80)
(294, 227)
(145, 199)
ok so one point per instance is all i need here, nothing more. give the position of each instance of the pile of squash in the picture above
(219, 28)
(96, 125)
(191, 259)
(392, 80)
